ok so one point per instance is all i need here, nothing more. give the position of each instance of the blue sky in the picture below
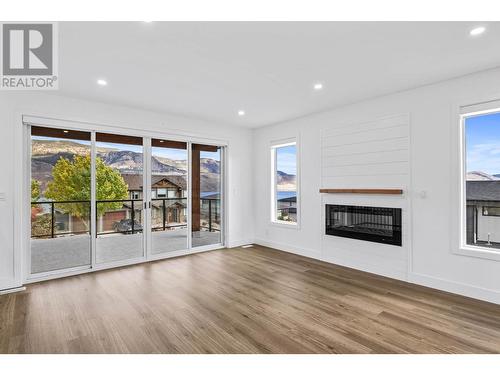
(286, 159)
(482, 137)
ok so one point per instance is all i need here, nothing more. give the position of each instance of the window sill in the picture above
(284, 224)
(478, 252)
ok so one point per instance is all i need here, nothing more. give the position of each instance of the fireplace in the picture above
(375, 224)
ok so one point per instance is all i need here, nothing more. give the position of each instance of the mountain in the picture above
(206, 165)
(43, 147)
(286, 182)
(210, 182)
(481, 176)
(209, 165)
(45, 154)
(179, 164)
(160, 167)
(129, 161)
(122, 160)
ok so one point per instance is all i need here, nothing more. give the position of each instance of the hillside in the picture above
(481, 176)
(43, 147)
(45, 154)
(206, 165)
(286, 182)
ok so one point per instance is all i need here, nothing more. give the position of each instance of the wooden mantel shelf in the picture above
(362, 191)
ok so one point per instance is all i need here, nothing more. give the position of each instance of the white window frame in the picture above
(463, 248)
(274, 198)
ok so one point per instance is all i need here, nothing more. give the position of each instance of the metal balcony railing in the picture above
(44, 223)
(213, 211)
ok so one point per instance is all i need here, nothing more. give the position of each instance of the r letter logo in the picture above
(29, 56)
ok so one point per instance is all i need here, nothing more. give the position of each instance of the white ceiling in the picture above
(211, 70)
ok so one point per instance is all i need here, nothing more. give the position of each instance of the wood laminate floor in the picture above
(254, 300)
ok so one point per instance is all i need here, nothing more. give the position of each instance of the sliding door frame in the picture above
(26, 123)
(146, 196)
(93, 198)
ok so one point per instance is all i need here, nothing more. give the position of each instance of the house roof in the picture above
(134, 181)
(180, 181)
(483, 190)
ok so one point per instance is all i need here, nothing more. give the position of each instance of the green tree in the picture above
(71, 182)
(35, 190)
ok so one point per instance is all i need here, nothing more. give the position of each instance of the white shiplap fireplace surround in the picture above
(368, 155)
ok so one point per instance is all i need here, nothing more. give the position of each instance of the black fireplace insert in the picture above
(375, 224)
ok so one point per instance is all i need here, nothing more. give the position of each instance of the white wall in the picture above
(429, 256)
(12, 104)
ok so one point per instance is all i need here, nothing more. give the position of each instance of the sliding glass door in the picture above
(206, 193)
(169, 198)
(99, 200)
(119, 181)
(60, 199)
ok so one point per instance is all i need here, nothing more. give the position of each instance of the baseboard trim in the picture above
(461, 289)
(454, 287)
(13, 290)
(239, 243)
(391, 273)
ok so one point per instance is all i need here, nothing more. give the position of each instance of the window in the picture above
(491, 211)
(284, 183)
(171, 193)
(481, 132)
(161, 192)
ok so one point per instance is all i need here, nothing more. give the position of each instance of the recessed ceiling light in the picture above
(65, 131)
(241, 112)
(318, 86)
(102, 82)
(477, 31)
(161, 141)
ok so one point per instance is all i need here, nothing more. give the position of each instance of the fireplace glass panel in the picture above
(375, 224)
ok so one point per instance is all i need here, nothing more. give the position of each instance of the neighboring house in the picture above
(483, 211)
(166, 210)
(63, 222)
(161, 186)
(287, 208)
